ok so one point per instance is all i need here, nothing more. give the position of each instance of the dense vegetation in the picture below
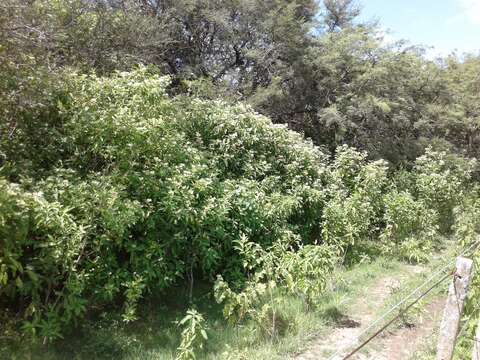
(310, 65)
(147, 144)
(131, 190)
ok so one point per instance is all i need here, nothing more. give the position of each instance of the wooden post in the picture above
(457, 292)
(476, 344)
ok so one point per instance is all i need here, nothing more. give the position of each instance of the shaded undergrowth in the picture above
(156, 335)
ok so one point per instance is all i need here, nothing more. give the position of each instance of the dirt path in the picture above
(401, 344)
(396, 344)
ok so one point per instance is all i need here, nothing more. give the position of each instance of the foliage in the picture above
(467, 230)
(313, 65)
(46, 234)
(305, 271)
(156, 334)
(467, 215)
(136, 191)
(142, 190)
(301, 272)
(117, 183)
(441, 181)
(193, 335)
(410, 226)
(456, 118)
(355, 202)
(237, 306)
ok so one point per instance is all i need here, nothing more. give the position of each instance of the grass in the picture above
(156, 336)
(463, 348)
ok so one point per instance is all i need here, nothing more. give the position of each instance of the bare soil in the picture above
(401, 344)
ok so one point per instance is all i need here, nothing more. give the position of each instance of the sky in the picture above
(447, 25)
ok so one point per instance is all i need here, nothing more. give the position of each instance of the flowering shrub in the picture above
(355, 201)
(441, 181)
(134, 191)
(410, 227)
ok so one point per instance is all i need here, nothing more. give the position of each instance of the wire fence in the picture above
(432, 279)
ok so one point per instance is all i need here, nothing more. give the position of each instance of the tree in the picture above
(456, 117)
(339, 14)
(312, 66)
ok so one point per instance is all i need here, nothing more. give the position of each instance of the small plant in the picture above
(237, 306)
(301, 270)
(271, 322)
(133, 292)
(305, 272)
(194, 335)
(415, 251)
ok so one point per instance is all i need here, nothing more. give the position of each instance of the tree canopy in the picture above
(310, 65)
(229, 47)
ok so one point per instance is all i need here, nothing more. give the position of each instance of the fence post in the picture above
(476, 344)
(452, 313)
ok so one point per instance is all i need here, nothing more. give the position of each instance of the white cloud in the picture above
(471, 9)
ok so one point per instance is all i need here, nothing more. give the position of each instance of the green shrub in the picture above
(305, 272)
(127, 191)
(40, 245)
(302, 272)
(467, 231)
(194, 335)
(355, 202)
(410, 226)
(142, 191)
(467, 219)
(440, 181)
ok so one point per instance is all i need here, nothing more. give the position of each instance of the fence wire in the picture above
(441, 269)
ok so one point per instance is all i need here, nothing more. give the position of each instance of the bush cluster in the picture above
(126, 191)
(130, 191)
